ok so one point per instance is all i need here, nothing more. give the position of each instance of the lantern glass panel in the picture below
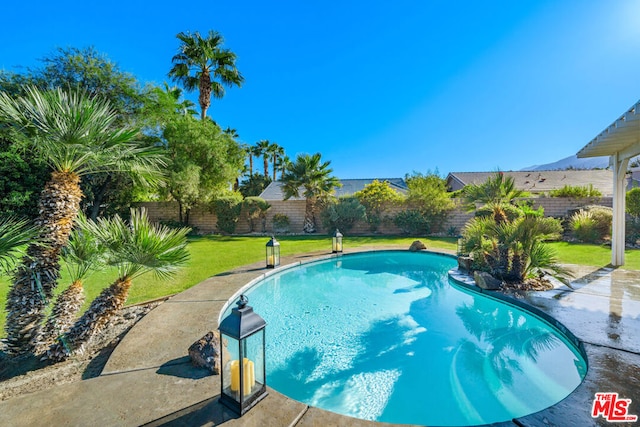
(230, 373)
(254, 365)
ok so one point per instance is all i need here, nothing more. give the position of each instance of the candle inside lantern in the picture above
(271, 260)
(235, 375)
(249, 376)
(339, 246)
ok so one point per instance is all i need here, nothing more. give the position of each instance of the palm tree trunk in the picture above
(265, 159)
(205, 94)
(309, 225)
(63, 315)
(36, 278)
(275, 157)
(250, 165)
(102, 309)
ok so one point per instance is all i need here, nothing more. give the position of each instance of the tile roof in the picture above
(349, 186)
(540, 181)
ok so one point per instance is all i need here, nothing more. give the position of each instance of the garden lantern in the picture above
(336, 246)
(273, 253)
(243, 381)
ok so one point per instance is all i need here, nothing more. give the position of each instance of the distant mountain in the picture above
(572, 162)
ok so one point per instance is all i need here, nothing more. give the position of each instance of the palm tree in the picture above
(262, 149)
(202, 63)
(310, 174)
(284, 162)
(73, 133)
(276, 151)
(82, 255)
(133, 248)
(15, 234)
(496, 189)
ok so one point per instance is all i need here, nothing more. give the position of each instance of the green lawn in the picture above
(212, 255)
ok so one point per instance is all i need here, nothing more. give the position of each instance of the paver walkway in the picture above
(148, 379)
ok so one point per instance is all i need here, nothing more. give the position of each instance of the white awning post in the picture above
(619, 199)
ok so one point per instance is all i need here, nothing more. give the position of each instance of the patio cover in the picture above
(620, 141)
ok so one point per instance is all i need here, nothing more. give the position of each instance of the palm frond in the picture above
(15, 235)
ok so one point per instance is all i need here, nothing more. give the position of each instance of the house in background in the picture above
(349, 187)
(540, 182)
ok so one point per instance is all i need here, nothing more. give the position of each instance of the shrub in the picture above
(412, 222)
(227, 209)
(377, 197)
(576, 191)
(591, 224)
(280, 223)
(633, 202)
(428, 195)
(256, 208)
(342, 213)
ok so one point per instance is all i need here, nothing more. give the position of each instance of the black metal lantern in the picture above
(336, 246)
(243, 381)
(273, 253)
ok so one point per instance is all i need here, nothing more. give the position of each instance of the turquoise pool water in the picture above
(386, 336)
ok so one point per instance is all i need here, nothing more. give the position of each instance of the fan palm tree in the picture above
(74, 134)
(262, 149)
(276, 152)
(497, 189)
(284, 162)
(15, 234)
(133, 248)
(310, 174)
(82, 255)
(202, 63)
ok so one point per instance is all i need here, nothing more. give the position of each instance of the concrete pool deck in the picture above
(148, 380)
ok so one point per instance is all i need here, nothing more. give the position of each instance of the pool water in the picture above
(386, 336)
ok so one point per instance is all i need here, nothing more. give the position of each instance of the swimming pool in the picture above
(386, 336)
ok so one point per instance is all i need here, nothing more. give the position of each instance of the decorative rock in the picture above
(205, 353)
(417, 245)
(486, 281)
(465, 263)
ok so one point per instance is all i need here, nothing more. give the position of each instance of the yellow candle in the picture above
(271, 260)
(235, 375)
(339, 247)
(249, 379)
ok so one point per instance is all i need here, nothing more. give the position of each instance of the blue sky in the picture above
(380, 88)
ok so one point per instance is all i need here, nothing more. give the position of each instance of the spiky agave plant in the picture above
(74, 134)
(82, 255)
(133, 248)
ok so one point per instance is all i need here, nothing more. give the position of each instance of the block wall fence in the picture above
(205, 220)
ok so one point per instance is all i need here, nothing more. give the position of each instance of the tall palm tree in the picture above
(15, 234)
(202, 63)
(309, 173)
(74, 134)
(262, 149)
(284, 162)
(276, 151)
(82, 255)
(134, 249)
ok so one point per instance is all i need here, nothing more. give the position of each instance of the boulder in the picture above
(205, 353)
(465, 263)
(417, 246)
(486, 281)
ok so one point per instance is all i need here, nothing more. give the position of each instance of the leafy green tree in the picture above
(205, 161)
(202, 64)
(74, 135)
(133, 248)
(227, 207)
(312, 178)
(633, 202)
(342, 213)
(427, 193)
(377, 197)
